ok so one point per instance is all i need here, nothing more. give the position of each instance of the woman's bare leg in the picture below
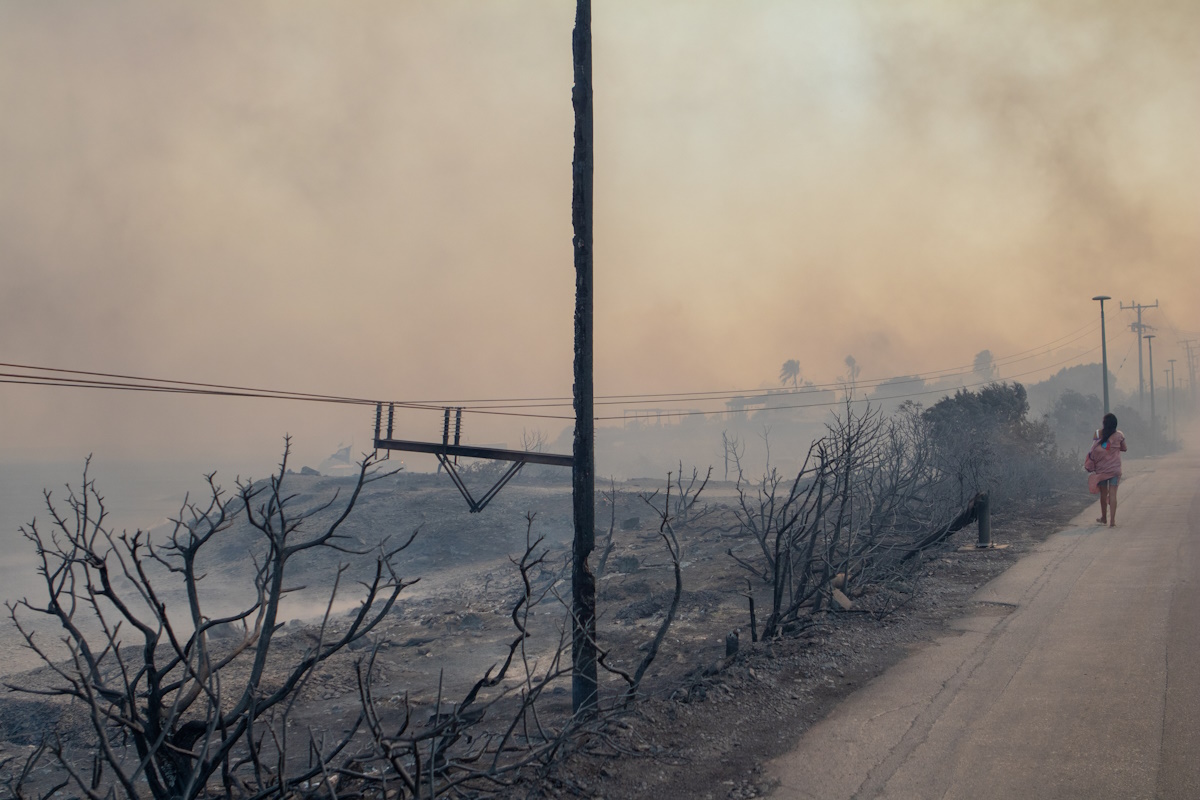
(1112, 506)
(1103, 504)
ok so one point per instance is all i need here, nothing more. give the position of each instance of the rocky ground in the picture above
(707, 722)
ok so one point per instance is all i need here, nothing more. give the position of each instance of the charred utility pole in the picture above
(583, 469)
(1140, 329)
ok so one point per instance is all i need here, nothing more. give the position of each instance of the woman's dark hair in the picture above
(1110, 427)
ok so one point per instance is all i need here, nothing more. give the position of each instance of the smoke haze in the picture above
(373, 199)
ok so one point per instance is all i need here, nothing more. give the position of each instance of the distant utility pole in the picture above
(1171, 377)
(1141, 330)
(1187, 343)
(1149, 337)
(583, 469)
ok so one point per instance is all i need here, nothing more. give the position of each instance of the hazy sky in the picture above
(373, 199)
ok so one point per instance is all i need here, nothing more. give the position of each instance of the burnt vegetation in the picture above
(168, 687)
(175, 695)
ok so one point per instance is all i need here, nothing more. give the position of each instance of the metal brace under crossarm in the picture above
(446, 454)
(478, 505)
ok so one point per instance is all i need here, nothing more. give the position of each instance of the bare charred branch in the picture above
(167, 710)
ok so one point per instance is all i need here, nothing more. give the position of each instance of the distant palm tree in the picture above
(790, 372)
(853, 370)
(985, 365)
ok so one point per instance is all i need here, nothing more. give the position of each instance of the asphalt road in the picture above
(1078, 676)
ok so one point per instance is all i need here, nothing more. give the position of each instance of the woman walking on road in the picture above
(1104, 463)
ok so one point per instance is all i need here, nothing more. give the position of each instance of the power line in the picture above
(163, 383)
(70, 383)
(134, 383)
(1128, 350)
(728, 394)
(863, 400)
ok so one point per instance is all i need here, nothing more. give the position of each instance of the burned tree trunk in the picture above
(968, 515)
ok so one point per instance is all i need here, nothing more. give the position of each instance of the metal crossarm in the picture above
(447, 455)
(471, 451)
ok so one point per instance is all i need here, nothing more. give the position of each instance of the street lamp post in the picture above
(1103, 347)
(1149, 337)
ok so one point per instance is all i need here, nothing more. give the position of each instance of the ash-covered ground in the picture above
(705, 722)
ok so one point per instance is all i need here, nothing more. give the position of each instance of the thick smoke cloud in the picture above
(373, 198)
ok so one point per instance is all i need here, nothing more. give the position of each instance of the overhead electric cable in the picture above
(54, 376)
(694, 413)
(151, 381)
(726, 394)
(78, 383)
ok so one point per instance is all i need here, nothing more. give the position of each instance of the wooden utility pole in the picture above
(1149, 337)
(1191, 373)
(1140, 328)
(583, 470)
(1171, 379)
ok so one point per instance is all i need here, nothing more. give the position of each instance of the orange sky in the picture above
(373, 199)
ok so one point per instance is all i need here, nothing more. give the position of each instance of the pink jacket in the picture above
(1104, 460)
